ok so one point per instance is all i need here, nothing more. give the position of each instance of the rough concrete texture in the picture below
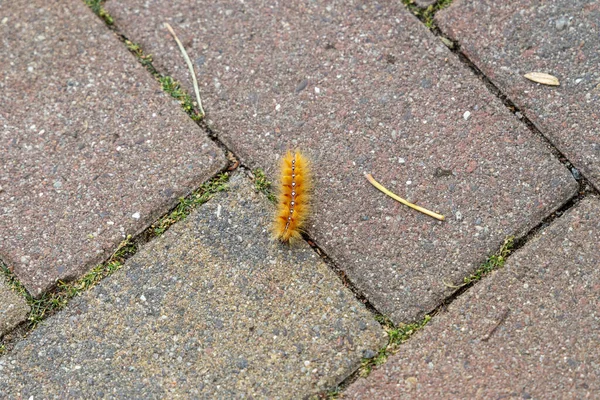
(364, 87)
(13, 308)
(507, 39)
(212, 309)
(424, 3)
(530, 330)
(91, 148)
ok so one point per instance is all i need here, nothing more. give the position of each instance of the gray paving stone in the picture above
(13, 308)
(530, 330)
(507, 39)
(91, 149)
(212, 309)
(425, 3)
(364, 87)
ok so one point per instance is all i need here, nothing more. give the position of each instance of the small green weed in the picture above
(145, 60)
(426, 14)
(51, 302)
(98, 9)
(396, 336)
(263, 185)
(173, 88)
(187, 204)
(494, 262)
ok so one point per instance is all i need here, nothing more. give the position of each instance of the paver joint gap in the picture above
(426, 15)
(168, 84)
(584, 187)
(56, 299)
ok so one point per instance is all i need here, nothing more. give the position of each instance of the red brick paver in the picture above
(364, 87)
(508, 39)
(91, 149)
(529, 331)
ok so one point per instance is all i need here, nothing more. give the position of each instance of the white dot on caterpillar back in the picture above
(293, 183)
(293, 194)
(292, 203)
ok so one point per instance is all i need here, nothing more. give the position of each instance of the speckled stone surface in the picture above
(424, 3)
(213, 309)
(13, 308)
(530, 330)
(91, 149)
(507, 39)
(361, 87)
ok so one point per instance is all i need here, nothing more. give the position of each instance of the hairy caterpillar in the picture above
(293, 197)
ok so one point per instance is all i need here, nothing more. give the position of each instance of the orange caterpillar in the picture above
(293, 197)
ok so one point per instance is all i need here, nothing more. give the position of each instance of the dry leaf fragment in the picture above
(544, 79)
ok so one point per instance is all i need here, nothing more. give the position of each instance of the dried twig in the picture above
(190, 66)
(501, 320)
(401, 200)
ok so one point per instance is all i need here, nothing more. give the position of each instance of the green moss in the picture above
(145, 60)
(55, 300)
(396, 336)
(426, 14)
(173, 88)
(187, 204)
(494, 262)
(98, 9)
(263, 185)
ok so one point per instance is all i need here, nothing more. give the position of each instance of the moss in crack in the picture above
(173, 88)
(396, 336)
(168, 84)
(98, 9)
(53, 301)
(145, 60)
(426, 15)
(494, 262)
(187, 204)
(263, 185)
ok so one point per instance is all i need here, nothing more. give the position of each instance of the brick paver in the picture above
(529, 331)
(424, 3)
(507, 39)
(364, 87)
(91, 149)
(212, 309)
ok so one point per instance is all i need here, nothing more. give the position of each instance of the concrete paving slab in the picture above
(91, 149)
(13, 308)
(364, 87)
(508, 39)
(212, 309)
(529, 331)
(424, 3)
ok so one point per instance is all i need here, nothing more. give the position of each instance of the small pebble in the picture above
(576, 173)
(136, 215)
(466, 115)
(561, 23)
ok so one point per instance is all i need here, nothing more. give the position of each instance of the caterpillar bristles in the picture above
(293, 197)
